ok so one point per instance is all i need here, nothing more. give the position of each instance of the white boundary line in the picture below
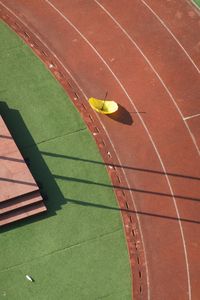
(194, 4)
(191, 117)
(108, 136)
(167, 28)
(154, 70)
(147, 131)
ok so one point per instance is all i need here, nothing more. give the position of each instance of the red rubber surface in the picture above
(146, 56)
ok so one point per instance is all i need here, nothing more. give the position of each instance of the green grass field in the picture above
(197, 2)
(77, 249)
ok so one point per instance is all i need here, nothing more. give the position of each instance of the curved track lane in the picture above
(153, 158)
(181, 19)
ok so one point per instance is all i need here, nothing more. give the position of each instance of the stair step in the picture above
(22, 213)
(22, 201)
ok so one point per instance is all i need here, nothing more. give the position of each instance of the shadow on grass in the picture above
(125, 188)
(52, 195)
(95, 205)
(120, 166)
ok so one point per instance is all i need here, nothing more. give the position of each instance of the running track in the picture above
(146, 55)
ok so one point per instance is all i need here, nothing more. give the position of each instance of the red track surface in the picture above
(146, 56)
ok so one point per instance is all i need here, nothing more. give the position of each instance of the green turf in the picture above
(77, 249)
(197, 2)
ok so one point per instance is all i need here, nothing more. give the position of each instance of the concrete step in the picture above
(18, 202)
(22, 213)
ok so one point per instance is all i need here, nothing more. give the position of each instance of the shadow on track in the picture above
(121, 116)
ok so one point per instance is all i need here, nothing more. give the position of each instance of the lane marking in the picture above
(191, 117)
(154, 70)
(106, 132)
(170, 32)
(194, 5)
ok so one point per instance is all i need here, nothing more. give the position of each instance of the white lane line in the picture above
(170, 32)
(191, 117)
(147, 131)
(154, 70)
(194, 5)
(108, 136)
